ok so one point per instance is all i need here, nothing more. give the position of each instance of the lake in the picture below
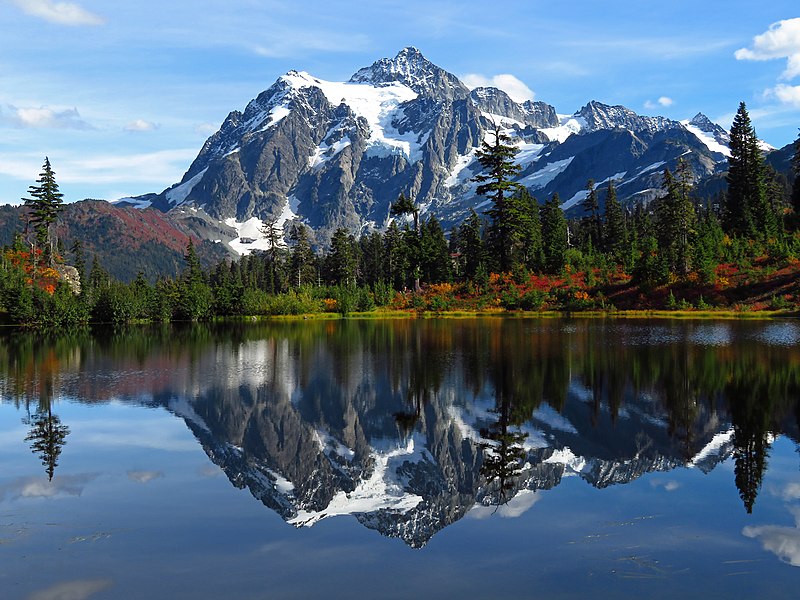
(429, 458)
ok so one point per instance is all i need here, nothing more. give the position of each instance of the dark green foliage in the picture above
(45, 203)
(615, 239)
(435, 261)
(554, 235)
(470, 246)
(796, 170)
(507, 211)
(676, 221)
(748, 211)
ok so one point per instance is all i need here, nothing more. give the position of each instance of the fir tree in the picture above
(676, 221)
(796, 169)
(554, 235)
(591, 207)
(406, 206)
(302, 257)
(470, 245)
(748, 211)
(615, 240)
(506, 212)
(45, 203)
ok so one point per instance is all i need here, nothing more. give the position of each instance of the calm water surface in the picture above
(431, 459)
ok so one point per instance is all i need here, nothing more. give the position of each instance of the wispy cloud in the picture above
(43, 117)
(61, 13)
(289, 43)
(781, 40)
(39, 487)
(515, 88)
(162, 166)
(783, 542)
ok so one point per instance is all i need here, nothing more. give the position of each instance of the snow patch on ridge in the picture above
(569, 124)
(706, 138)
(177, 195)
(546, 174)
(250, 233)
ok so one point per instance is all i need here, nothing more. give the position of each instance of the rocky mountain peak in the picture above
(603, 116)
(411, 68)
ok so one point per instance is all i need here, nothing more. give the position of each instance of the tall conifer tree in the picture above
(506, 212)
(45, 202)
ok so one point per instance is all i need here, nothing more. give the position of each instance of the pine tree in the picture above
(796, 169)
(436, 264)
(748, 211)
(470, 245)
(554, 235)
(506, 213)
(615, 239)
(676, 220)
(342, 259)
(45, 203)
(302, 257)
(591, 206)
(406, 206)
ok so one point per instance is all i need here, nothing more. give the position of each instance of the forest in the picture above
(737, 251)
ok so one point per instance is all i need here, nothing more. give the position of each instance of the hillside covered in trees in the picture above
(739, 250)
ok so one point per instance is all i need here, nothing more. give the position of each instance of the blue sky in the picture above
(122, 95)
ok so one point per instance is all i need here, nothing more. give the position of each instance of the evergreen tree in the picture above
(342, 259)
(529, 253)
(747, 210)
(796, 169)
(615, 240)
(48, 437)
(591, 207)
(554, 235)
(506, 213)
(435, 263)
(470, 246)
(45, 203)
(406, 206)
(302, 257)
(79, 260)
(676, 220)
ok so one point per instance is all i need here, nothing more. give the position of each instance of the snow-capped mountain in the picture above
(337, 154)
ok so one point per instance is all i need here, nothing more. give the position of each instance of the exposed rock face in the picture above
(338, 154)
(69, 274)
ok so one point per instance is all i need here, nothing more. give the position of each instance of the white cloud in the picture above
(43, 117)
(781, 40)
(662, 102)
(516, 89)
(61, 13)
(141, 125)
(784, 542)
(787, 94)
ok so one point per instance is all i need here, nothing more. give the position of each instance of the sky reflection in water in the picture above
(498, 456)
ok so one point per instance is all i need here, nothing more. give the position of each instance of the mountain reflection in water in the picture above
(407, 425)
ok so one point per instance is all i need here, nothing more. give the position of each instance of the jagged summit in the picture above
(603, 116)
(411, 68)
(712, 135)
